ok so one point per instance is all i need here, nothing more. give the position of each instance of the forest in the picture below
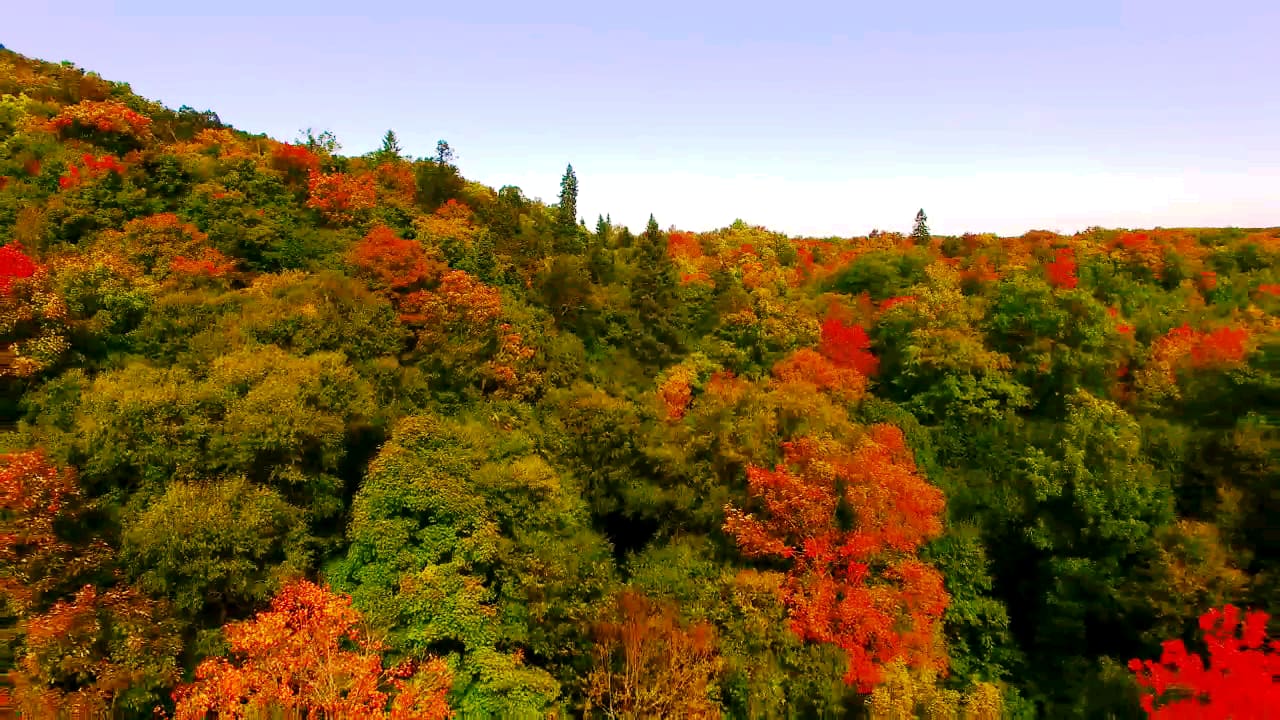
(288, 433)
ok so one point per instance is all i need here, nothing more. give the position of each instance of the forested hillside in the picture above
(298, 431)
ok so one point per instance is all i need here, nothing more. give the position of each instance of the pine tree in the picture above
(568, 235)
(654, 298)
(920, 233)
(444, 153)
(390, 149)
(603, 230)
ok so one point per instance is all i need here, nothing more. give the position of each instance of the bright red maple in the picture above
(14, 265)
(1061, 273)
(339, 197)
(392, 261)
(847, 346)
(1240, 680)
(860, 588)
(308, 657)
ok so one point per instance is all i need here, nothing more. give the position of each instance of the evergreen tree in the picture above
(603, 230)
(568, 234)
(444, 153)
(390, 149)
(653, 296)
(920, 233)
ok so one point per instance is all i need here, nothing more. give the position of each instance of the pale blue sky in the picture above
(811, 118)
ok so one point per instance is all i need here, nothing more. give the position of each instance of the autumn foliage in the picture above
(341, 197)
(14, 265)
(307, 657)
(104, 116)
(1240, 679)
(1061, 273)
(860, 588)
(391, 261)
(847, 346)
(650, 665)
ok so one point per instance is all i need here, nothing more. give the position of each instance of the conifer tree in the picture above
(568, 234)
(920, 233)
(653, 293)
(390, 149)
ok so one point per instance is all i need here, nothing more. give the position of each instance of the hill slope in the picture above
(667, 474)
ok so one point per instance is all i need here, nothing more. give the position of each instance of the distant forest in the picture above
(287, 433)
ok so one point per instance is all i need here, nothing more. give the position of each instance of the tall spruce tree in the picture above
(568, 233)
(920, 233)
(654, 298)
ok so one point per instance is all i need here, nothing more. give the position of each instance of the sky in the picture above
(812, 118)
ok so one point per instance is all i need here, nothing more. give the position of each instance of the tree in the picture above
(649, 665)
(920, 232)
(444, 154)
(390, 149)
(82, 641)
(567, 230)
(848, 521)
(309, 657)
(1240, 680)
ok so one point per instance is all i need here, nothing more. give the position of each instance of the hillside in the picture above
(287, 427)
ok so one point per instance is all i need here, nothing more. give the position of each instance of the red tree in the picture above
(14, 265)
(1240, 680)
(392, 261)
(858, 586)
(847, 346)
(306, 657)
(1062, 271)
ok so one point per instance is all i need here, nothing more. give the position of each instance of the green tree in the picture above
(920, 231)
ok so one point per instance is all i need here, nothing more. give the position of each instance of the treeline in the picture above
(295, 431)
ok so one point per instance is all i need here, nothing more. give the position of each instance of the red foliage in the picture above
(1241, 679)
(391, 260)
(211, 263)
(461, 303)
(1208, 280)
(681, 244)
(105, 116)
(339, 197)
(1220, 347)
(806, 365)
(398, 178)
(31, 167)
(860, 588)
(1061, 272)
(93, 168)
(1270, 289)
(296, 161)
(307, 655)
(847, 346)
(14, 265)
(893, 302)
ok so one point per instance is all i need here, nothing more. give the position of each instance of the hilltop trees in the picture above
(287, 432)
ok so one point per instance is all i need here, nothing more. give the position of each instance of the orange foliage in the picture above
(860, 588)
(675, 394)
(210, 263)
(391, 260)
(340, 197)
(460, 302)
(1272, 289)
(105, 116)
(1241, 678)
(81, 647)
(398, 178)
(807, 365)
(1208, 280)
(648, 666)
(508, 369)
(307, 657)
(683, 245)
